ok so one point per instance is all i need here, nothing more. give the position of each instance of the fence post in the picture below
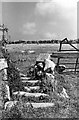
(76, 64)
(60, 45)
(59, 50)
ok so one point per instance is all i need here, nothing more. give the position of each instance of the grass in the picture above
(63, 108)
(24, 60)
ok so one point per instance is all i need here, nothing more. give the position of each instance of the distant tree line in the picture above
(16, 42)
(42, 41)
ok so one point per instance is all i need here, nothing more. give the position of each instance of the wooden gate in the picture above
(67, 55)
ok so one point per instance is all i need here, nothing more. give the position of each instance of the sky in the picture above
(77, 20)
(50, 19)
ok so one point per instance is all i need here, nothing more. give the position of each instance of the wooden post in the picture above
(76, 64)
(59, 50)
(3, 29)
(60, 45)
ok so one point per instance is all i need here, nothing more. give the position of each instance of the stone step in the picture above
(23, 75)
(25, 78)
(32, 88)
(30, 81)
(27, 94)
(9, 104)
(41, 105)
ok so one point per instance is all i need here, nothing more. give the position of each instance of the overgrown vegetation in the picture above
(63, 108)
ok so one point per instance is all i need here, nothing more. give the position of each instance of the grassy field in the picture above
(66, 108)
(23, 60)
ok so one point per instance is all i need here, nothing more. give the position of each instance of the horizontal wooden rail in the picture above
(71, 71)
(68, 50)
(64, 57)
(71, 68)
(68, 63)
(65, 54)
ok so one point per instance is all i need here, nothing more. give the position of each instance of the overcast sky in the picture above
(55, 19)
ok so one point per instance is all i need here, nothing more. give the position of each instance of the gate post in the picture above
(76, 64)
(59, 50)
